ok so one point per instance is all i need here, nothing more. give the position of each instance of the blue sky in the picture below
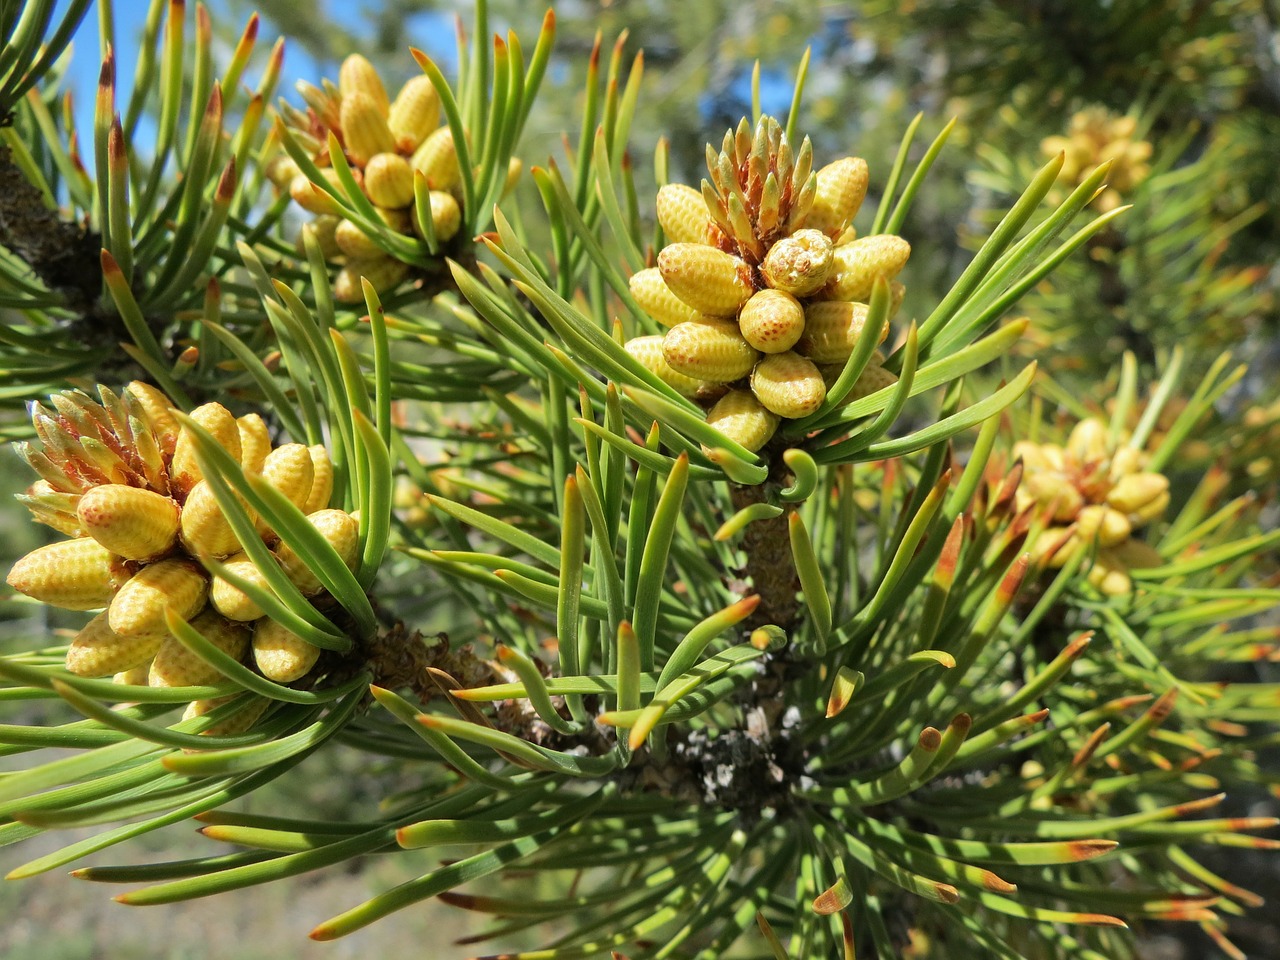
(432, 31)
(130, 17)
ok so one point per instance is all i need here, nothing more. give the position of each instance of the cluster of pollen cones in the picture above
(1095, 136)
(1097, 495)
(120, 477)
(385, 142)
(764, 284)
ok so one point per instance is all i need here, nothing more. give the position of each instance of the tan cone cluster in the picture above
(1258, 447)
(1094, 493)
(763, 283)
(1093, 137)
(119, 476)
(384, 142)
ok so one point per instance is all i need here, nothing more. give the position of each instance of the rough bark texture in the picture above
(767, 544)
(402, 659)
(63, 255)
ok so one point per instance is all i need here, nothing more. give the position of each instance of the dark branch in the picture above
(63, 255)
(767, 544)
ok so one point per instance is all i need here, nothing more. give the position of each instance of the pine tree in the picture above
(678, 557)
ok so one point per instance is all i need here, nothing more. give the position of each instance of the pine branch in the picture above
(770, 568)
(63, 255)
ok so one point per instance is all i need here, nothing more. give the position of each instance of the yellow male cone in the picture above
(1088, 441)
(72, 574)
(205, 530)
(324, 229)
(743, 419)
(133, 677)
(1110, 575)
(232, 602)
(1038, 456)
(707, 279)
(314, 200)
(354, 243)
(655, 298)
(438, 160)
(321, 479)
(358, 76)
(255, 442)
(291, 470)
(832, 329)
(1051, 488)
(134, 523)
(388, 180)
(238, 722)
(857, 264)
(799, 264)
(446, 216)
(98, 651)
(1099, 522)
(385, 273)
(176, 666)
(712, 350)
(842, 185)
(342, 532)
(138, 608)
(1141, 495)
(772, 321)
(788, 384)
(364, 127)
(414, 114)
(281, 654)
(648, 352)
(682, 213)
(184, 471)
(872, 379)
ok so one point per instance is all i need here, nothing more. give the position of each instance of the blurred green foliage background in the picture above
(1191, 265)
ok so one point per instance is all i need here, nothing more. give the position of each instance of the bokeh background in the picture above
(1193, 265)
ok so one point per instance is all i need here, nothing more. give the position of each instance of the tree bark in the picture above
(65, 256)
(767, 544)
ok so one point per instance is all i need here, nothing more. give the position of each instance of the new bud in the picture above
(799, 264)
